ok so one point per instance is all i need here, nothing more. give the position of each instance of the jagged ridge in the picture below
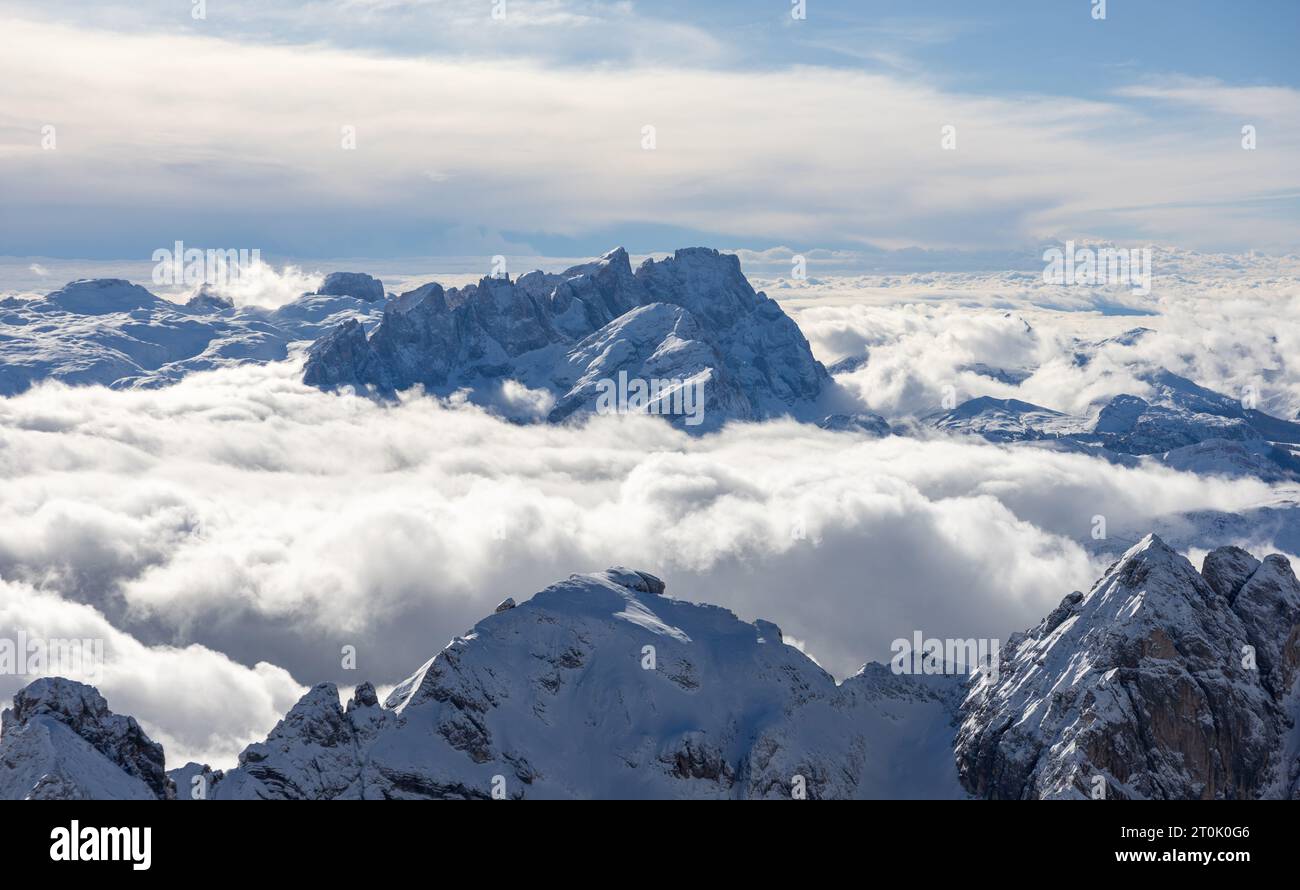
(1161, 682)
(690, 317)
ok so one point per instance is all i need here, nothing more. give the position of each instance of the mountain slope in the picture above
(559, 697)
(1146, 685)
(1179, 423)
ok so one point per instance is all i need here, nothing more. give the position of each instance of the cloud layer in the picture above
(231, 534)
(449, 149)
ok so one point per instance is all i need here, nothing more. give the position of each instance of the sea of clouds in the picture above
(229, 535)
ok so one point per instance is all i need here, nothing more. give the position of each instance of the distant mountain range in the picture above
(1160, 682)
(114, 333)
(687, 322)
(1181, 424)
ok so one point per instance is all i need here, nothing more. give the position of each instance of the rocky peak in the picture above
(1158, 682)
(363, 287)
(1227, 569)
(1143, 686)
(635, 580)
(600, 686)
(692, 316)
(82, 710)
(207, 299)
(364, 696)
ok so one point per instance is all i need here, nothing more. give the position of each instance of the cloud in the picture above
(198, 703)
(260, 284)
(1272, 105)
(769, 156)
(1228, 323)
(239, 520)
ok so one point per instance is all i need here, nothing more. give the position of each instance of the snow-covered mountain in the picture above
(61, 742)
(602, 686)
(691, 321)
(692, 318)
(115, 333)
(1162, 681)
(1180, 423)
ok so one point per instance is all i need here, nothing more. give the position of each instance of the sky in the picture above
(222, 124)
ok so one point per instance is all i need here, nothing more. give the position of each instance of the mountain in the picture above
(1005, 420)
(561, 697)
(1178, 422)
(691, 319)
(1160, 682)
(114, 333)
(61, 742)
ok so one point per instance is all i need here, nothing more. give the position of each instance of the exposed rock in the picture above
(1160, 682)
(556, 698)
(865, 422)
(364, 287)
(195, 781)
(689, 319)
(1142, 686)
(1183, 425)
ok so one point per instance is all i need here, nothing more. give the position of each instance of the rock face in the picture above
(353, 284)
(1161, 682)
(61, 742)
(691, 318)
(114, 333)
(866, 422)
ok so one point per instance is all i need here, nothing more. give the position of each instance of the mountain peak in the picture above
(1158, 683)
(102, 296)
(363, 287)
(72, 745)
(1143, 686)
(690, 317)
(635, 580)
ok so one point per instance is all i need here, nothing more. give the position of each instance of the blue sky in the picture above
(526, 133)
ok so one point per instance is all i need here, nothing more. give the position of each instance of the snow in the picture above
(1180, 424)
(1142, 681)
(114, 333)
(554, 695)
(60, 741)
